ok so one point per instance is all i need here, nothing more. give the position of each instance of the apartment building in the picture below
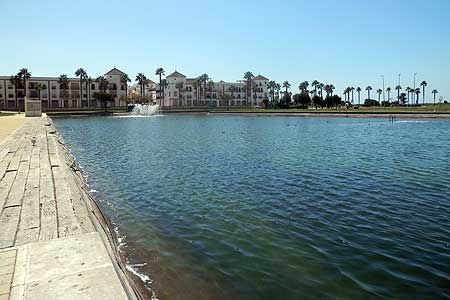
(150, 87)
(52, 95)
(183, 91)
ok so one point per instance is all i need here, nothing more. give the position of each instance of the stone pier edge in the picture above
(132, 285)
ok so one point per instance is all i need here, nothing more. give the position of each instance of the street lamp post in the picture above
(414, 92)
(384, 97)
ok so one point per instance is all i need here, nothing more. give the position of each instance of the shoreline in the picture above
(104, 225)
(337, 114)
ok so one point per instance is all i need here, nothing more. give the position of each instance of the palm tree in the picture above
(102, 83)
(434, 92)
(332, 87)
(408, 90)
(16, 82)
(398, 89)
(303, 86)
(179, 86)
(417, 92)
(39, 87)
(286, 86)
(124, 79)
(141, 79)
(196, 86)
(368, 89)
(210, 88)
(278, 89)
(248, 76)
(271, 86)
(352, 89)
(423, 84)
(164, 85)
(89, 81)
(82, 74)
(315, 83)
(358, 89)
(379, 92)
(64, 85)
(24, 75)
(321, 86)
(327, 89)
(203, 80)
(388, 90)
(160, 72)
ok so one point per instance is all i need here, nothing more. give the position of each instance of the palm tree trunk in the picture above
(423, 95)
(81, 91)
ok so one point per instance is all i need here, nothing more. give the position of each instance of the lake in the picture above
(216, 207)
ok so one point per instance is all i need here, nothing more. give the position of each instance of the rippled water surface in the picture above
(275, 207)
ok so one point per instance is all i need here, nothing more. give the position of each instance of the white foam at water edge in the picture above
(145, 278)
(411, 121)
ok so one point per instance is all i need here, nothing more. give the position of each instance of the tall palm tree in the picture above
(141, 79)
(164, 85)
(103, 83)
(24, 75)
(332, 87)
(179, 86)
(320, 86)
(315, 84)
(159, 72)
(423, 84)
(303, 86)
(408, 90)
(271, 86)
(64, 85)
(434, 92)
(368, 89)
(210, 88)
(38, 88)
(17, 83)
(204, 78)
(196, 84)
(352, 89)
(124, 79)
(286, 86)
(327, 89)
(358, 89)
(388, 90)
(89, 81)
(379, 92)
(417, 92)
(398, 89)
(248, 76)
(278, 89)
(82, 74)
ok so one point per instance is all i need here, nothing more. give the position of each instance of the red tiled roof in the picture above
(260, 77)
(175, 74)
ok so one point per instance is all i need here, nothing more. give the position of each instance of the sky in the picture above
(340, 42)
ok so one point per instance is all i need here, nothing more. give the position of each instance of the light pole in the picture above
(414, 92)
(384, 98)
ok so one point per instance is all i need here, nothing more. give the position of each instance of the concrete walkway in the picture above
(54, 241)
(9, 123)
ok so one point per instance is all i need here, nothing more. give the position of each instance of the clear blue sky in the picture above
(341, 42)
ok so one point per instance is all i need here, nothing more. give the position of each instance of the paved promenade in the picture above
(54, 242)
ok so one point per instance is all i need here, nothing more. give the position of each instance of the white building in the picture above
(52, 95)
(134, 91)
(183, 91)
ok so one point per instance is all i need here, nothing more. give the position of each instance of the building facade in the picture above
(183, 91)
(53, 96)
(150, 87)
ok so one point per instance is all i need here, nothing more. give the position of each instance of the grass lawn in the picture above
(4, 114)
